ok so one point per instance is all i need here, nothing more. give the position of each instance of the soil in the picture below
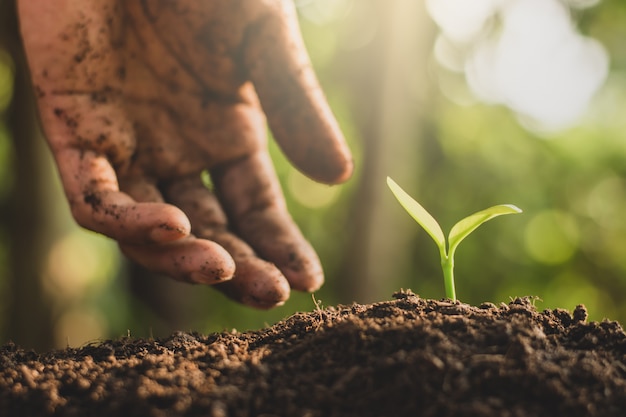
(405, 357)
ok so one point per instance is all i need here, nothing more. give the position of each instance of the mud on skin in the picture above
(137, 98)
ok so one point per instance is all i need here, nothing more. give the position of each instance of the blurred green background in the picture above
(516, 101)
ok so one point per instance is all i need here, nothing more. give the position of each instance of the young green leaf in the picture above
(419, 213)
(459, 232)
(466, 226)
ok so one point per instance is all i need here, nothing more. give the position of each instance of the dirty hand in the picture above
(138, 98)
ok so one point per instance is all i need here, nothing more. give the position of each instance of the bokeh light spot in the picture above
(79, 261)
(539, 66)
(310, 193)
(606, 203)
(551, 237)
(534, 60)
(461, 19)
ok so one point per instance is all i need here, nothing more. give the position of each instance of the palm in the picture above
(190, 101)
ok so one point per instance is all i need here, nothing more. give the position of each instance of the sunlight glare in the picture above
(537, 63)
(461, 20)
(322, 12)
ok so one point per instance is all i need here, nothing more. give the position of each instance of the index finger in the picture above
(292, 99)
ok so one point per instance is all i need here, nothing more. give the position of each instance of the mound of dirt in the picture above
(406, 357)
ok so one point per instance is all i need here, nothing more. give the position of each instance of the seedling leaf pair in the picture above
(458, 232)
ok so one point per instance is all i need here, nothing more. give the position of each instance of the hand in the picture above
(137, 98)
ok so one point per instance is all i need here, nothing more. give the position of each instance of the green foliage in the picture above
(569, 251)
(459, 231)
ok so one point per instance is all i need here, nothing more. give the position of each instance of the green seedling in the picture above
(458, 232)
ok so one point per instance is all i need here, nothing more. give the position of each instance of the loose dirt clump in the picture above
(406, 357)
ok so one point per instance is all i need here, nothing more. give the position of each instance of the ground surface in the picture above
(406, 357)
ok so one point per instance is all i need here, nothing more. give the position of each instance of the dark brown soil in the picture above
(406, 357)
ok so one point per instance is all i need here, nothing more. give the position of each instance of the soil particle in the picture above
(93, 200)
(406, 357)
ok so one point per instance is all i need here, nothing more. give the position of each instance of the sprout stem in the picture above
(447, 264)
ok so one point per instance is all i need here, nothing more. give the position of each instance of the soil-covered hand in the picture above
(137, 98)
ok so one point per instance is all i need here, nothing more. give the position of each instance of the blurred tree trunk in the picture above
(29, 321)
(394, 90)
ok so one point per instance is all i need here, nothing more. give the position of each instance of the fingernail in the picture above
(212, 277)
(166, 233)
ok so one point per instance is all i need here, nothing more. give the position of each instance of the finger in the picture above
(256, 283)
(77, 74)
(279, 240)
(250, 193)
(141, 189)
(191, 260)
(97, 204)
(290, 95)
